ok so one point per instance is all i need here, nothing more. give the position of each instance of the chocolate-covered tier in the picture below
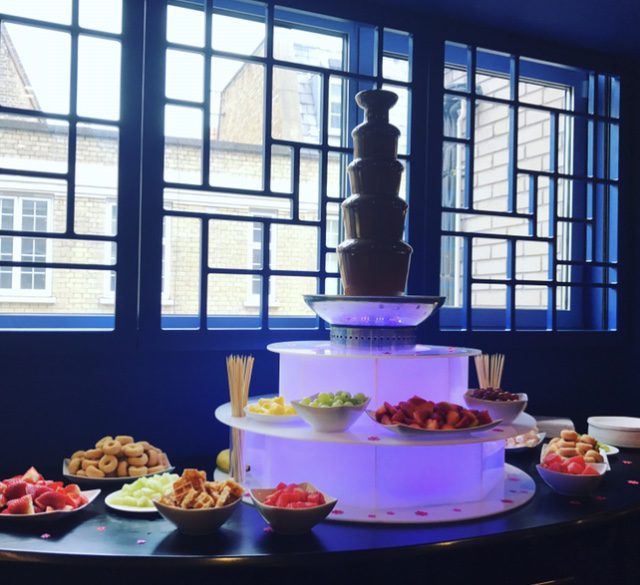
(374, 260)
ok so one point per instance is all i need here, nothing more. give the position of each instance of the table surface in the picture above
(97, 535)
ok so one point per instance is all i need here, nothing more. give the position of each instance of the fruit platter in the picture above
(425, 417)
(31, 497)
(137, 497)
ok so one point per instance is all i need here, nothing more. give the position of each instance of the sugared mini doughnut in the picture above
(74, 465)
(567, 452)
(79, 455)
(138, 461)
(94, 453)
(103, 440)
(81, 473)
(133, 450)
(588, 439)
(88, 462)
(138, 471)
(124, 439)
(568, 435)
(111, 447)
(108, 463)
(154, 458)
(146, 445)
(123, 468)
(562, 443)
(93, 471)
(583, 447)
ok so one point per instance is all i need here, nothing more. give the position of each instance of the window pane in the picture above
(281, 169)
(185, 26)
(309, 188)
(98, 87)
(244, 36)
(237, 124)
(105, 15)
(27, 80)
(184, 76)
(294, 247)
(50, 11)
(312, 48)
(287, 293)
(183, 144)
(232, 303)
(456, 69)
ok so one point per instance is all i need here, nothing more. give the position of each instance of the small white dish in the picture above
(333, 419)
(521, 448)
(568, 484)
(131, 509)
(197, 522)
(433, 434)
(50, 516)
(608, 450)
(270, 419)
(292, 521)
(507, 411)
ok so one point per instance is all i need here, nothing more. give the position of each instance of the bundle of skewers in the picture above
(489, 370)
(239, 369)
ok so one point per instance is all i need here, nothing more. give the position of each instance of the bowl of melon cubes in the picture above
(329, 412)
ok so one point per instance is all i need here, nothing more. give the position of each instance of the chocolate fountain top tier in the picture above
(375, 137)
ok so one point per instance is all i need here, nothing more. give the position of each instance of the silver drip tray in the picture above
(373, 337)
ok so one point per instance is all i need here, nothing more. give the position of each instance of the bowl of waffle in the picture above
(198, 507)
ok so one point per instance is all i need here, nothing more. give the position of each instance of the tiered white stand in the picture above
(376, 474)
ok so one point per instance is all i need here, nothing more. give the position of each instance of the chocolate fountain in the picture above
(373, 259)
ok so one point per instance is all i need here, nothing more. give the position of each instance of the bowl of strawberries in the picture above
(292, 508)
(572, 476)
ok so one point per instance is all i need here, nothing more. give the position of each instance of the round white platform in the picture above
(327, 349)
(365, 431)
(515, 491)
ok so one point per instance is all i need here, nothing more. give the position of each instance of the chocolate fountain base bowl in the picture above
(373, 312)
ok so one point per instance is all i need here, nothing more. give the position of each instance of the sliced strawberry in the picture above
(575, 468)
(32, 475)
(588, 470)
(3, 501)
(23, 505)
(38, 490)
(73, 495)
(54, 499)
(16, 490)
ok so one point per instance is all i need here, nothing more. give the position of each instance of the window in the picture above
(59, 144)
(28, 215)
(529, 195)
(255, 153)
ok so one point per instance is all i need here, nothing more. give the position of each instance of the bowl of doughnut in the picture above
(198, 507)
(115, 460)
(572, 444)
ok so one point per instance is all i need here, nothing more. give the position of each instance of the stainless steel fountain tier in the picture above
(373, 322)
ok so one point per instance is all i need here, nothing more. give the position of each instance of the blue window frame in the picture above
(529, 194)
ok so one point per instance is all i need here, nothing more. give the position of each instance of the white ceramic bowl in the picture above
(572, 485)
(508, 411)
(620, 431)
(197, 522)
(288, 520)
(333, 419)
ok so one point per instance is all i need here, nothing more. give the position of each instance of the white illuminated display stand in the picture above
(376, 474)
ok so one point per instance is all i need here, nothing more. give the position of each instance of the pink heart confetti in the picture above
(247, 494)
(506, 501)
(498, 430)
(141, 541)
(421, 513)
(633, 482)
(373, 438)
(391, 513)
(45, 536)
(627, 462)
(524, 491)
(337, 512)
(601, 498)
(371, 516)
(101, 528)
(457, 509)
(267, 529)
(512, 478)
(575, 502)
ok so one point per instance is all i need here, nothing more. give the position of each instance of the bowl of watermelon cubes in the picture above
(571, 477)
(292, 508)
(29, 497)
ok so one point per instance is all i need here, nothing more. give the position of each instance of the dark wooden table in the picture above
(552, 538)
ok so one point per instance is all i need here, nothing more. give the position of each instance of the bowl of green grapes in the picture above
(329, 412)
